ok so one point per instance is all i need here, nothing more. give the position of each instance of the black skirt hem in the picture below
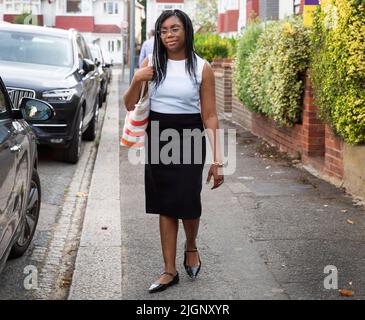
(174, 215)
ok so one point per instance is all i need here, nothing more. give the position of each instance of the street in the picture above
(52, 252)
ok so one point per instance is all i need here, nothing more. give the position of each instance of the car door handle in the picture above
(16, 148)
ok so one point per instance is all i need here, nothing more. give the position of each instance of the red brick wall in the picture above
(313, 129)
(223, 84)
(312, 139)
(334, 154)
(241, 115)
(287, 139)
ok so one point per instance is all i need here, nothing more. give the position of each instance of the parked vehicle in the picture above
(56, 66)
(20, 189)
(102, 73)
(108, 64)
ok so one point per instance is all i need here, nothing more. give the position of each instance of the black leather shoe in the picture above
(157, 287)
(192, 271)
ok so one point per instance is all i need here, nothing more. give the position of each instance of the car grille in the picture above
(17, 94)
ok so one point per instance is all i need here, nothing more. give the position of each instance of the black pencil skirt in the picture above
(174, 165)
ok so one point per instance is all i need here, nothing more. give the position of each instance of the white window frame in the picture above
(169, 6)
(114, 45)
(115, 8)
(61, 8)
(21, 6)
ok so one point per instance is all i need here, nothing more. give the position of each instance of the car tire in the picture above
(31, 218)
(91, 131)
(73, 152)
(100, 99)
(105, 93)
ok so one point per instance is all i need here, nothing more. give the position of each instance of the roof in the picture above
(106, 28)
(35, 29)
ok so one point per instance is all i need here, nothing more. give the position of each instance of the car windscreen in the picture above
(35, 48)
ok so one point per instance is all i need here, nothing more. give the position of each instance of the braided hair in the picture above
(160, 52)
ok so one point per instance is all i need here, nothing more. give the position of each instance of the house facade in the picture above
(155, 8)
(98, 20)
(234, 15)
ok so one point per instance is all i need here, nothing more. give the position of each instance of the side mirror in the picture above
(36, 110)
(97, 62)
(88, 66)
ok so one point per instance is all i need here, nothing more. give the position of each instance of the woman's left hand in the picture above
(217, 173)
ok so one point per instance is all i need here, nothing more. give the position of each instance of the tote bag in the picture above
(136, 121)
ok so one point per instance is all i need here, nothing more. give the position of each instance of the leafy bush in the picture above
(20, 19)
(246, 45)
(338, 67)
(210, 46)
(276, 69)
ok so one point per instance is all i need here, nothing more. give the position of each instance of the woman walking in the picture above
(182, 96)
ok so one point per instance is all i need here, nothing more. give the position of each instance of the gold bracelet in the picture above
(217, 163)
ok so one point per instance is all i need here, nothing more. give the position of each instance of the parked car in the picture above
(20, 189)
(108, 63)
(102, 73)
(56, 66)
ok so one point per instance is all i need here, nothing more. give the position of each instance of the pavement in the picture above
(269, 232)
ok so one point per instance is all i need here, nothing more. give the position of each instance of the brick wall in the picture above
(334, 154)
(241, 115)
(311, 139)
(223, 84)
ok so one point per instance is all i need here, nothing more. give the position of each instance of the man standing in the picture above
(147, 47)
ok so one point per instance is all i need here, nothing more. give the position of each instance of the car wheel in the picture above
(31, 218)
(91, 131)
(72, 154)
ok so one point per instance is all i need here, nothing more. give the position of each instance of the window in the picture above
(111, 7)
(169, 6)
(114, 45)
(26, 47)
(82, 53)
(20, 6)
(111, 46)
(73, 6)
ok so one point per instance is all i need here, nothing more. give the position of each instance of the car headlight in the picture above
(62, 95)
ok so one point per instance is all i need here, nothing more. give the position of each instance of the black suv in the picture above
(102, 72)
(20, 190)
(56, 66)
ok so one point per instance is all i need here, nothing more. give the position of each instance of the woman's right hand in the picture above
(144, 74)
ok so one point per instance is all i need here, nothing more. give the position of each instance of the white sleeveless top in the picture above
(177, 93)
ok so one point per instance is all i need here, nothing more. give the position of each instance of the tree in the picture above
(143, 3)
(205, 17)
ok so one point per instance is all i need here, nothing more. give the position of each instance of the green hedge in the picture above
(210, 46)
(338, 67)
(272, 79)
(246, 46)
